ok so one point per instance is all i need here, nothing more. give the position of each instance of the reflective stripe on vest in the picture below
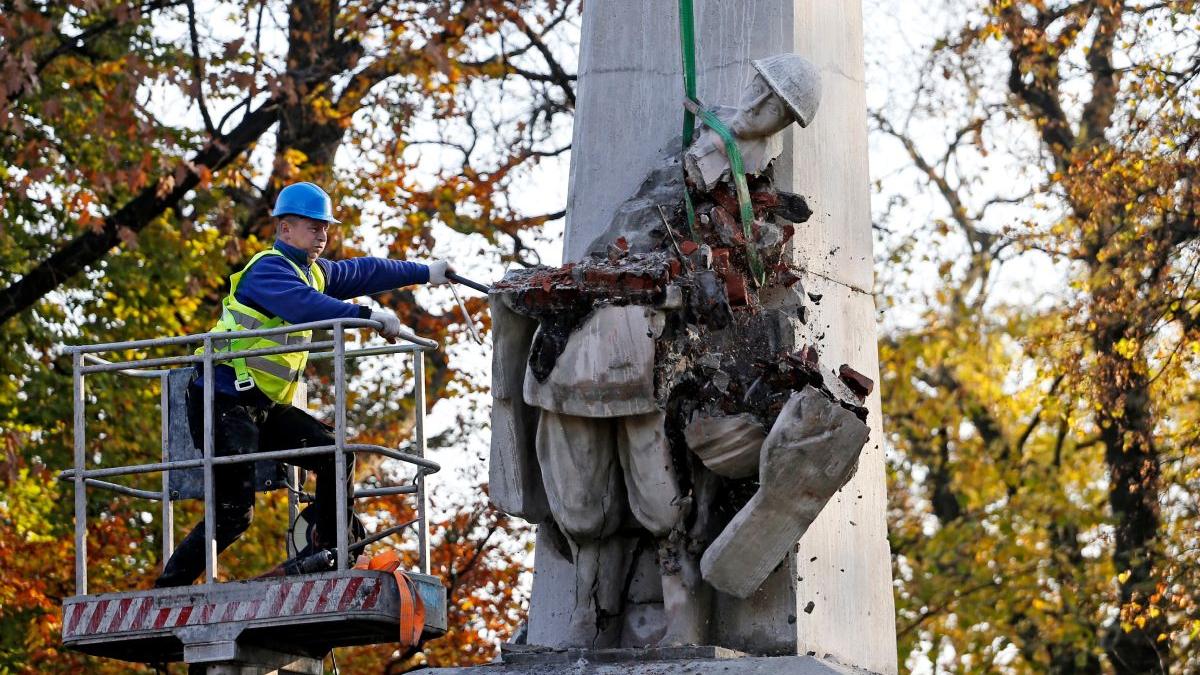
(275, 375)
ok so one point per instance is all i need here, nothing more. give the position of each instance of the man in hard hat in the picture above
(284, 285)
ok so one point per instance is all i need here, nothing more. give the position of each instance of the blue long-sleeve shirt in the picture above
(272, 287)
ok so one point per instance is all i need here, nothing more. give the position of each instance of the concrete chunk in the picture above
(729, 445)
(606, 370)
(809, 454)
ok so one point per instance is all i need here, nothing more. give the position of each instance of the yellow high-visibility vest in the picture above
(275, 375)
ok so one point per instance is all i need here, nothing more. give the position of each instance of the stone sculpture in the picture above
(786, 89)
(652, 392)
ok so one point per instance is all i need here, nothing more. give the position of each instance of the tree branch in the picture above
(198, 71)
(151, 202)
(1097, 114)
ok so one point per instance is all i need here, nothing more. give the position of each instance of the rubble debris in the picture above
(792, 208)
(809, 454)
(860, 384)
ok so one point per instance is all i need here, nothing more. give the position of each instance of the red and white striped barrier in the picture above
(249, 601)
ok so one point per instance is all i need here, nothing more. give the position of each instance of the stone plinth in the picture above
(696, 660)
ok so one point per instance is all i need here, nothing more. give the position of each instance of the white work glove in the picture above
(391, 323)
(437, 272)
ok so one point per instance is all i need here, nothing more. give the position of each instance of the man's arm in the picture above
(272, 285)
(352, 278)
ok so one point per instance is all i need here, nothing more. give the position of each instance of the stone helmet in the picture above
(795, 80)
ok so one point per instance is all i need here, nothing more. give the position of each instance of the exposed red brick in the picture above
(720, 260)
(688, 247)
(726, 198)
(621, 244)
(761, 201)
(723, 221)
(674, 267)
(735, 289)
(860, 384)
(784, 276)
(787, 230)
(637, 283)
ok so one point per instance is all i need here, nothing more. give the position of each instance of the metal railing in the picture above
(85, 361)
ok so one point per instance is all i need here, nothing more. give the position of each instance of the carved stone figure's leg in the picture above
(600, 567)
(649, 473)
(687, 599)
(643, 619)
(578, 460)
(658, 505)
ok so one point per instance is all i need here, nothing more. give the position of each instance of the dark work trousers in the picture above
(240, 429)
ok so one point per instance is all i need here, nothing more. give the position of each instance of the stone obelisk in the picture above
(833, 598)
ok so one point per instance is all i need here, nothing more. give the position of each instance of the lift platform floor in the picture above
(301, 615)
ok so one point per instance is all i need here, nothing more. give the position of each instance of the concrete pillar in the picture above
(835, 597)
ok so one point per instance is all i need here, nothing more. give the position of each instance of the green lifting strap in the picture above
(693, 108)
(687, 48)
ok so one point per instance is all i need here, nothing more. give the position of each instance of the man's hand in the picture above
(391, 323)
(438, 269)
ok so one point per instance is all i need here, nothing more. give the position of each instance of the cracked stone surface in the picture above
(811, 451)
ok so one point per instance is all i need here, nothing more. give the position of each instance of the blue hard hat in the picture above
(304, 199)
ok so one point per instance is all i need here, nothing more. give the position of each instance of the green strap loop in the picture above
(693, 108)
(687, 39)
(738, 171)
(687, 36)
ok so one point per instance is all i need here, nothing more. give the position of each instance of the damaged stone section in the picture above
(656, 391)
(662, 391)
(810, 453)
(606, 369)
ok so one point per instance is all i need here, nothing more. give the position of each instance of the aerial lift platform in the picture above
(284, 624)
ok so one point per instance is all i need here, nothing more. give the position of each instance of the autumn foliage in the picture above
(1040, 377)
(142, 143)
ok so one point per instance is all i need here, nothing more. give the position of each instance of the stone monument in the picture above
(665, 412)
